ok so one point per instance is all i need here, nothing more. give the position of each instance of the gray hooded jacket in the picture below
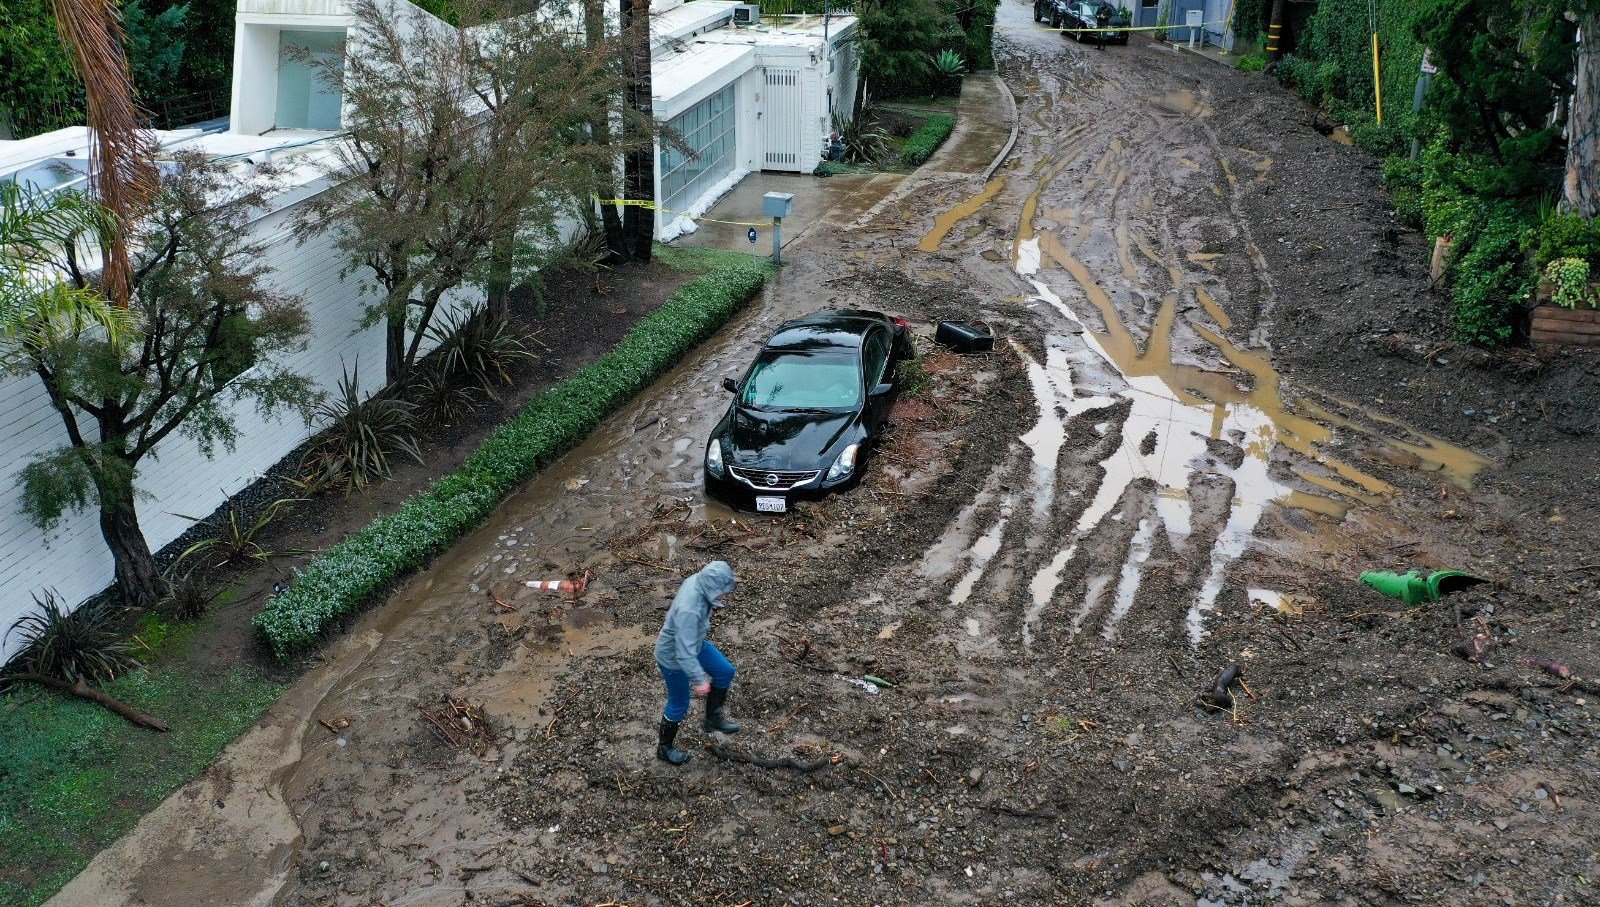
(684, 631)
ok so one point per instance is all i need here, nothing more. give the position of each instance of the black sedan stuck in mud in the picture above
(808, 408)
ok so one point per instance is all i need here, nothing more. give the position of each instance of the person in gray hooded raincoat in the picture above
(692, 664)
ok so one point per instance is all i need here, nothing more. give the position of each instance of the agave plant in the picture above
(188, 596)
(440, 399)
(479, 349)
(864, 141)
(71, 645)
(359, 438)
(949, 63)
(235, 538)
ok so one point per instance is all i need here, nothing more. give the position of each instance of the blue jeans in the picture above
(679, 694)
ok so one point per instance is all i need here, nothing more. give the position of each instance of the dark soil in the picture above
(1032, 748)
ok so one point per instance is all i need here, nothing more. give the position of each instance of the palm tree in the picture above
(122, 176)
(41, 234)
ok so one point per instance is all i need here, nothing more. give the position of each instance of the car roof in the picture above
(831, 327)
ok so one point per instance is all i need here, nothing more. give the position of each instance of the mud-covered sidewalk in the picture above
(1223, 390)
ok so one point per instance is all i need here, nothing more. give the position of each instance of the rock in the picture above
(836, 830)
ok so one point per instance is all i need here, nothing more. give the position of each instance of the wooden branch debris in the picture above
(797, 710)
(82, 690)
(459, 724)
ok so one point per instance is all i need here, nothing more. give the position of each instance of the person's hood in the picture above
(713, 580)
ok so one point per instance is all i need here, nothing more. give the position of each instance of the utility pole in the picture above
(1275, 32)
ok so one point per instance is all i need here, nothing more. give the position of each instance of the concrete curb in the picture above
(1015, 124)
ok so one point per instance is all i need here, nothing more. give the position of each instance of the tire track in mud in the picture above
(1115, 156)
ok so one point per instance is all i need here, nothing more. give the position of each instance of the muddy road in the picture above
(1058, 549)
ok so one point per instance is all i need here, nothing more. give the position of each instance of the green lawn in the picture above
(74, 777)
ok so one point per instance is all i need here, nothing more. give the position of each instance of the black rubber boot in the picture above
(716, 719)
(665, 751)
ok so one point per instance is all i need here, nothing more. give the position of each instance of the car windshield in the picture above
(828, 380)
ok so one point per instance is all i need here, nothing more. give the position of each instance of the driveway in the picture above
(1062, 546)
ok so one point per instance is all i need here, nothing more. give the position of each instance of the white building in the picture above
(744, 96)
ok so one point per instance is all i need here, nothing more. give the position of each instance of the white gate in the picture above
(785, 119)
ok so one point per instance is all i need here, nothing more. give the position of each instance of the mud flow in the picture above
(1056, 550)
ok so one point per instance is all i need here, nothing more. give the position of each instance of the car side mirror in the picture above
(883, 389)
(729, 385)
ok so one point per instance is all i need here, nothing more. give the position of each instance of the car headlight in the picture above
(845, 465)
(714, 459)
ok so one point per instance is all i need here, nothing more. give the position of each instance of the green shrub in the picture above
(351, 573)
(359, 435)
(71, 644)
(1251, 63)
(1570, 276)
(926, 140)
(1403, 178)
(1564, 236)
(1378, 141)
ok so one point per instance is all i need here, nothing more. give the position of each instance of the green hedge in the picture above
(350, 574)
(927, 139)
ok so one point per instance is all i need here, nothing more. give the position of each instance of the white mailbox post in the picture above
(776, 206)
(1194, 18)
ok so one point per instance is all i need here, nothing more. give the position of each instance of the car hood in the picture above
(761, 439)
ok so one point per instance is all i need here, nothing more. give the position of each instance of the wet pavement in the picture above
(1169, 502)
(819, 203)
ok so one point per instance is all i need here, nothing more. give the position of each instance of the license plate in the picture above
(768, 504)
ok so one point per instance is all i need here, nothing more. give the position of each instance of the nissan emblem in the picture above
(772, 480)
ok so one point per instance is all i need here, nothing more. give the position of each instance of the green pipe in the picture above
(1411, 588)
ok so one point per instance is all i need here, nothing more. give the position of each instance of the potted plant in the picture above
(1568, 313)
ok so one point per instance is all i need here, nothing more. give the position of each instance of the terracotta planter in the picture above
(1555, 326)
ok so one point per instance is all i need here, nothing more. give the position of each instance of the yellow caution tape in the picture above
(641, 203)
(1168, 27)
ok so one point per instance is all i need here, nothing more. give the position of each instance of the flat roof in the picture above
(802, 34)
(697, 66)
(683, 21)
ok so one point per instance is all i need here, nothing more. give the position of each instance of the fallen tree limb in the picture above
(727, 755)
(83, 691)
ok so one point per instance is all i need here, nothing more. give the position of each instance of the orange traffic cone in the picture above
(576, 587)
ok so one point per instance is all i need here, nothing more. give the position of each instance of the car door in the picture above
(875, 348)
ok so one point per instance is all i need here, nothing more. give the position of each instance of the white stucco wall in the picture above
(72, 559)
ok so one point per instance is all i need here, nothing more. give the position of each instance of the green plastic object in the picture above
(1413, 589)
(1409, 587)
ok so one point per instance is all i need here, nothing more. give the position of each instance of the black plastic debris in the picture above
(965, 337)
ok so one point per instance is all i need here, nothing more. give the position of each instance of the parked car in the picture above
(1052, 12)
(1080, 14)
(807, 410)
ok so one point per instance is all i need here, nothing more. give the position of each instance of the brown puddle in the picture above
(1198, 387)
(1215, 311)
(1183, 407)
(944, 223)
